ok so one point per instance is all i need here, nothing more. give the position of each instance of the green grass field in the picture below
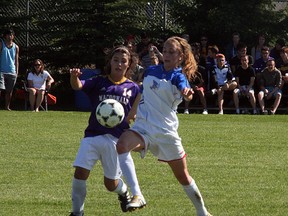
(239, 163)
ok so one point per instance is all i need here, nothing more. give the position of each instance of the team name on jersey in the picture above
(120, 99)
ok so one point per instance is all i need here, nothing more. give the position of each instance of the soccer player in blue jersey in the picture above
(99, 143)
(156, 123)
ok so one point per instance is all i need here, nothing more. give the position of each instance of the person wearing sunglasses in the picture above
(39, 80)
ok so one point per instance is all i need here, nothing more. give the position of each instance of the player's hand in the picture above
(75, 72)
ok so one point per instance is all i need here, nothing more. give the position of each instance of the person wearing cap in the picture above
(9, 63)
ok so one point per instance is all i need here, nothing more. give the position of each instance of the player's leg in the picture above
(129, 141)
(179, 168)
(79, 190)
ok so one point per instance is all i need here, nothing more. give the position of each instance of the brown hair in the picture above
(120, 49)
(33, 70)
(189, 64)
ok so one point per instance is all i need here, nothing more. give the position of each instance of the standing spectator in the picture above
(195, 47)
(9, 65)
(275, 51)
(231, 48)
(244, 77)
(236, 60)
(99, 142)
(257, 49)
(39, 80)
(156, 123)
(222, 80)
(270, 82)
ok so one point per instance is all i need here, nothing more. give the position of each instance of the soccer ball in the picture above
(110, 113)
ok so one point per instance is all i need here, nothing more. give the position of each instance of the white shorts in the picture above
(103, 148)
(166, 146)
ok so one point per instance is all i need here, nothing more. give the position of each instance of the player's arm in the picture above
(187, 94)
(74, 79)
(132, 113)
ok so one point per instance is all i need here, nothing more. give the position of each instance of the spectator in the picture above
(154, 60)
(186, 37)
(236, 60)
(260, 64)
(198, 87)
(195, 47)
(231, 48)
(203, 46)
(270, 82)
(282, 65)
(211, 61)
(257, 49)
(222, 80)
(275, 51)
(135, 71)
(155, 127)
(9, 55)
(99, 142)
(245, 77)
(39, 80)
(143, 50)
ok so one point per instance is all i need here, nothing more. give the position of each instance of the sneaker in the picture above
(124, 201)
(213, 91)
(272, 113)
(221, 112)
(81, 214)
(137, 202)
(254, 112)
(237, 111)
(205, 112)
(186, 111)
(265, 112)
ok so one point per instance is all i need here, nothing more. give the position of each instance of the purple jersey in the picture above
(100, 88)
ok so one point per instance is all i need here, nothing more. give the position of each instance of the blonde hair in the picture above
(189, 64)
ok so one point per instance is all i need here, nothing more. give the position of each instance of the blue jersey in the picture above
(161, 96)
(100, 88)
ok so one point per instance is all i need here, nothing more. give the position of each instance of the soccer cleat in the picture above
(124, 201)
(137, 202)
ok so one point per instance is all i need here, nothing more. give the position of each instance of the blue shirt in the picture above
(8, 59)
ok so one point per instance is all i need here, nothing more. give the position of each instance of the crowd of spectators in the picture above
(234, 73)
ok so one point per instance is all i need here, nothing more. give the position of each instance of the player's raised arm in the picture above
(74, 78)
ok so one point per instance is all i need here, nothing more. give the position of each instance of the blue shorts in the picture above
(270, 89)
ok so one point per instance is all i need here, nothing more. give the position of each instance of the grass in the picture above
(239, 163)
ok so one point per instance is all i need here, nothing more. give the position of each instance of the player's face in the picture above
(119, 65)
(172, 58)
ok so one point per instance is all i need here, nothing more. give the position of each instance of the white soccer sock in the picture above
(78, 195)
(194, 195)
(121, 187)
(129, 172)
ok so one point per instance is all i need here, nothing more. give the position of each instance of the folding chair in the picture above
(43, 106)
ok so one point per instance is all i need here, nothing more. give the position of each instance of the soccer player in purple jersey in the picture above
(156, 124)
(99, 143)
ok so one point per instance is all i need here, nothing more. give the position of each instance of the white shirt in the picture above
(39, 81)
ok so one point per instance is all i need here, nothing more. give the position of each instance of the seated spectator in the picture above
(39, 80)
(260, 64)
(270, 82)
(282, 65)
(236, 60)
(211, 61)
(135, 71)
(275, 51)
(203, 46)
(198, 86)
(245, 77)
(222, 79)
(195, 47)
